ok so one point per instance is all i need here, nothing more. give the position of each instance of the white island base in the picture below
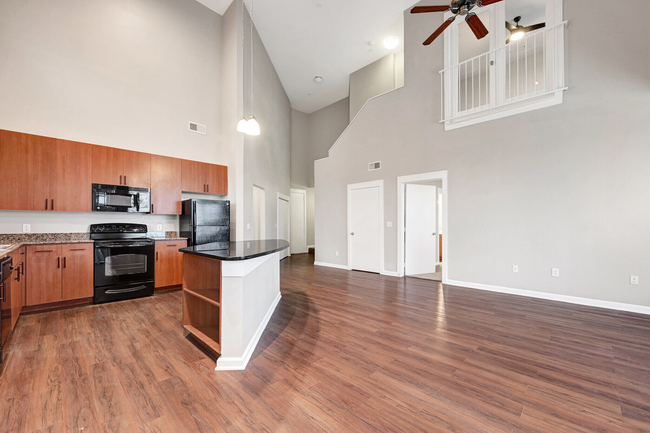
(228, 303)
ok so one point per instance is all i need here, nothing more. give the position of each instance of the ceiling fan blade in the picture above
(534, 27)
(476, 25)
(510, 26)
(489, 2)
(438, 32)
(425, 9)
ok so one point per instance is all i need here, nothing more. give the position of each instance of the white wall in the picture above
(127, 74)
(374, 79)
(563, 187)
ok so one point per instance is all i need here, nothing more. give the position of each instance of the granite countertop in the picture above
(237, 250)
(165, 236)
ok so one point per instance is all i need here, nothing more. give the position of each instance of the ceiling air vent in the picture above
(374, 166)
(197, 127)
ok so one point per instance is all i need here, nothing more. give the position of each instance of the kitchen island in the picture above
(230, 290)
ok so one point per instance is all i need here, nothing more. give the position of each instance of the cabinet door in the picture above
(137, 169)
(43, 274)
(169, 263)
(72, 177)
(14, 172)
(108, 165)
(77, 274)
(218, 179)
(194, 176)
(42, 152)
(165, 185)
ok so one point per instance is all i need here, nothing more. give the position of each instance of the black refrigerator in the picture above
(205, 221)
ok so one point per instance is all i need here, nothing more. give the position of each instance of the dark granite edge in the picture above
(231, 259)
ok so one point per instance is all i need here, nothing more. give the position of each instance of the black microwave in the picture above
(116, 198)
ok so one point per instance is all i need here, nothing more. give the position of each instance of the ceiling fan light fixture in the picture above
(516, 35)
(391, 42)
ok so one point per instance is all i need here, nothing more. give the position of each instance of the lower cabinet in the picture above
(17, 285)
(58, 272)
(169, 263)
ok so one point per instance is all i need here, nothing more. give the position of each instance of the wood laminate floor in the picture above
(344, 352)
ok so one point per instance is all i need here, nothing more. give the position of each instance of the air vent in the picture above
(374, 166)
(197, 127)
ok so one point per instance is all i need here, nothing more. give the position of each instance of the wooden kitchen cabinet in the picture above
(202, 177)
(17, 285)
(58, 272)
(43, 274)
(121, 167)
(166, 188)
(77, 273)
(14, 176)
(169, 263)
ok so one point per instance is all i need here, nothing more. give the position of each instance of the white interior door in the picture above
(283, 223)
(421, 249)
(259, 213)
(298, 221)
(365, 229)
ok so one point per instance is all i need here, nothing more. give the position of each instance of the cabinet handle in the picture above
(58, 262)
(208, 187)
(43, 251)
(18, 273)
(52, 204)
(152, 208)
(65, 262)
(156, 255)
(120, 179)
(45, 204)
(125, 179)
(172, 245)
(77, 249)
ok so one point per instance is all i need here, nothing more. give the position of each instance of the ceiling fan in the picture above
(517, 32)
(458, 7)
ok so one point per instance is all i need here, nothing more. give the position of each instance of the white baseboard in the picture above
(240, 362)
(311, 246)
(390, 273)
(332, 265)
(554, 297)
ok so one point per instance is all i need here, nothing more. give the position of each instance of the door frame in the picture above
(277, 218)
(364, 185)
(401, 184)
(304, 213)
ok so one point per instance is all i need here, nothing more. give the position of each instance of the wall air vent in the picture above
(197, 127)
(374, 166)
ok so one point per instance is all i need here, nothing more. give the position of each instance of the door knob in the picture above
(352, 233)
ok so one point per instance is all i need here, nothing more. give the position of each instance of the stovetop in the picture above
(118, 231)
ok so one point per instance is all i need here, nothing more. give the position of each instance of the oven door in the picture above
(124, 262)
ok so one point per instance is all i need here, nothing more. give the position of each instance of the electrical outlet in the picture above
(27, 228)
(634, 280)
(555, 272)
(337, 254)
(159, 227)
(515, 268)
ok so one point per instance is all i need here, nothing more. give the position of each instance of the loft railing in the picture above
(521, 72)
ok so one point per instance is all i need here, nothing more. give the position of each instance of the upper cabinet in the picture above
(201, 177)
(165, 185)
(121, 167)
(13, 174)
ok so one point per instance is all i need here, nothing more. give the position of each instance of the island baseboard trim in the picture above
(240, 362)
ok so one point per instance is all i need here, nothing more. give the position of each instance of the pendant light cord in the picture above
(252, 67)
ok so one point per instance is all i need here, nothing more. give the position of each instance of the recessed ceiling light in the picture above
(391, 42)
(318, 79)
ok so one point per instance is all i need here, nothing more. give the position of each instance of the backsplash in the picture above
(14, 238)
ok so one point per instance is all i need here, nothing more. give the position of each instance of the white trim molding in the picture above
(363, 185)
(416, 178)
(610, 305)
(303, 192)
(240, 362)
(277, 228)
(332, 265)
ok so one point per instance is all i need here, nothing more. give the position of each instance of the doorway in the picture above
(298, 204)
(422, 226)
(283, 222)
(259, 213)
(365, 224)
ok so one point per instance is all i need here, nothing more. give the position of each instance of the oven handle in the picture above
(124, 245)
(130, 289)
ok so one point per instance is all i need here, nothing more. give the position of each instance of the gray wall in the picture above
(127, 74)
(267, 160)
(311, 137)
(374, 79)
(564, 186)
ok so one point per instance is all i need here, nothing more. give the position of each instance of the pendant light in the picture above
(250, 126)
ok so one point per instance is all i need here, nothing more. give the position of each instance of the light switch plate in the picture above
(555, 272)
(27, 228)
(515, 268)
